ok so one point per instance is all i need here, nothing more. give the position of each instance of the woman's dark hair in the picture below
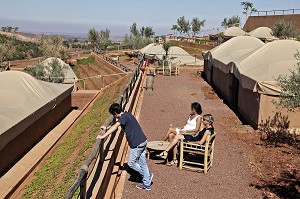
(115, 108)
(197, 107)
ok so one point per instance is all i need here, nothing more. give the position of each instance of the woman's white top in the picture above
(191, 123)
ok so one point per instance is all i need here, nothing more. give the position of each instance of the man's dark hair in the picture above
(197, 107)
(115, 108)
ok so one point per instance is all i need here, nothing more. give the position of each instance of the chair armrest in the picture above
(191, 145)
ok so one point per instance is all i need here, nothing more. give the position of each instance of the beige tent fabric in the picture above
(225, 54)
(263, 33)
(22, 96)
(176, 54)
(70, 76)
(259, 69)
(154, 49)
(234, 32)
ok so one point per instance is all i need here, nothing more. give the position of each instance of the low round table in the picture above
(156, 146)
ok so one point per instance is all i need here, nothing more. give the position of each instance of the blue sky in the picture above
(74, 16)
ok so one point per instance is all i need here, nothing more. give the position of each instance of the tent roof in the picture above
(262, 33)
(259, 69)
(22, 96)
(234, 32)
(178, 54)
(234, 48)
(70, 76)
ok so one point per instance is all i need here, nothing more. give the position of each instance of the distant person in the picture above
(136, 140)
(192, 126)
(200, 138)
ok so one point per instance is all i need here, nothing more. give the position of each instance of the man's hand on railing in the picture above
(100, 137)
(103, 128)
(109, 131)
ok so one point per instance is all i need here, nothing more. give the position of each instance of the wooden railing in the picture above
(276, 12)
(112, 61)
(98, 148)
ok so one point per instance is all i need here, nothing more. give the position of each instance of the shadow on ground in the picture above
(287, 186)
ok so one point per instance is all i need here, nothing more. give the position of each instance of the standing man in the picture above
(136, 140)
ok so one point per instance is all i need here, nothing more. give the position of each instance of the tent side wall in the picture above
(24, 141)
(248, 106)
(223, 84)
(268, 111)
(207, 70)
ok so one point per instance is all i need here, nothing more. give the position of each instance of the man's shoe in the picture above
(142, 186)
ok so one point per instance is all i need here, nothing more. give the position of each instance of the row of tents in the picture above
(262, 33)
(244, 71)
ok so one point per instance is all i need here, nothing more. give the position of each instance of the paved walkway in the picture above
(169, 103)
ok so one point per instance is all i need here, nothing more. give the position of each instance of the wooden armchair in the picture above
(197, 157)
(170, 69)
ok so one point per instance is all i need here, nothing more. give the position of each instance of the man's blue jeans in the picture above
(137, 161)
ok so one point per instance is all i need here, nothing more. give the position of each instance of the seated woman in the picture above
(192, 125)
(198, 139)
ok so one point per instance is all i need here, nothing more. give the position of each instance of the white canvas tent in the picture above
(176, 54)
(222, 56)
(70, 76)
(259, 69)
(28, 108)
(264, 33)
(234, 32)
(232, 50)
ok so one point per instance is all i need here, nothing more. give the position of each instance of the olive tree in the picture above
(51, 72)
(6, 50)
(290, 87)
(138, 39)
(52, 46)
(184, 26)
(284, 30)
(196, 25)
(231, 22)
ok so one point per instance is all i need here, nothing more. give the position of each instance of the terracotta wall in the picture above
(254, 22)
(19, 146)
(192, 45)
(268, 111)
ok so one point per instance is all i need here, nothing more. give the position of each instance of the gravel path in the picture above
(169, 103)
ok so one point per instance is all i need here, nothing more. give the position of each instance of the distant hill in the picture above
(27, 37)
(24, 47)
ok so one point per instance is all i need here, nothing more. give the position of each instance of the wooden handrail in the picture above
(274, 12)
(98, 147)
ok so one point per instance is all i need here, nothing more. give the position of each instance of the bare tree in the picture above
(248, 8)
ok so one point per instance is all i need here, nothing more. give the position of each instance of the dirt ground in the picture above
(244, 167)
